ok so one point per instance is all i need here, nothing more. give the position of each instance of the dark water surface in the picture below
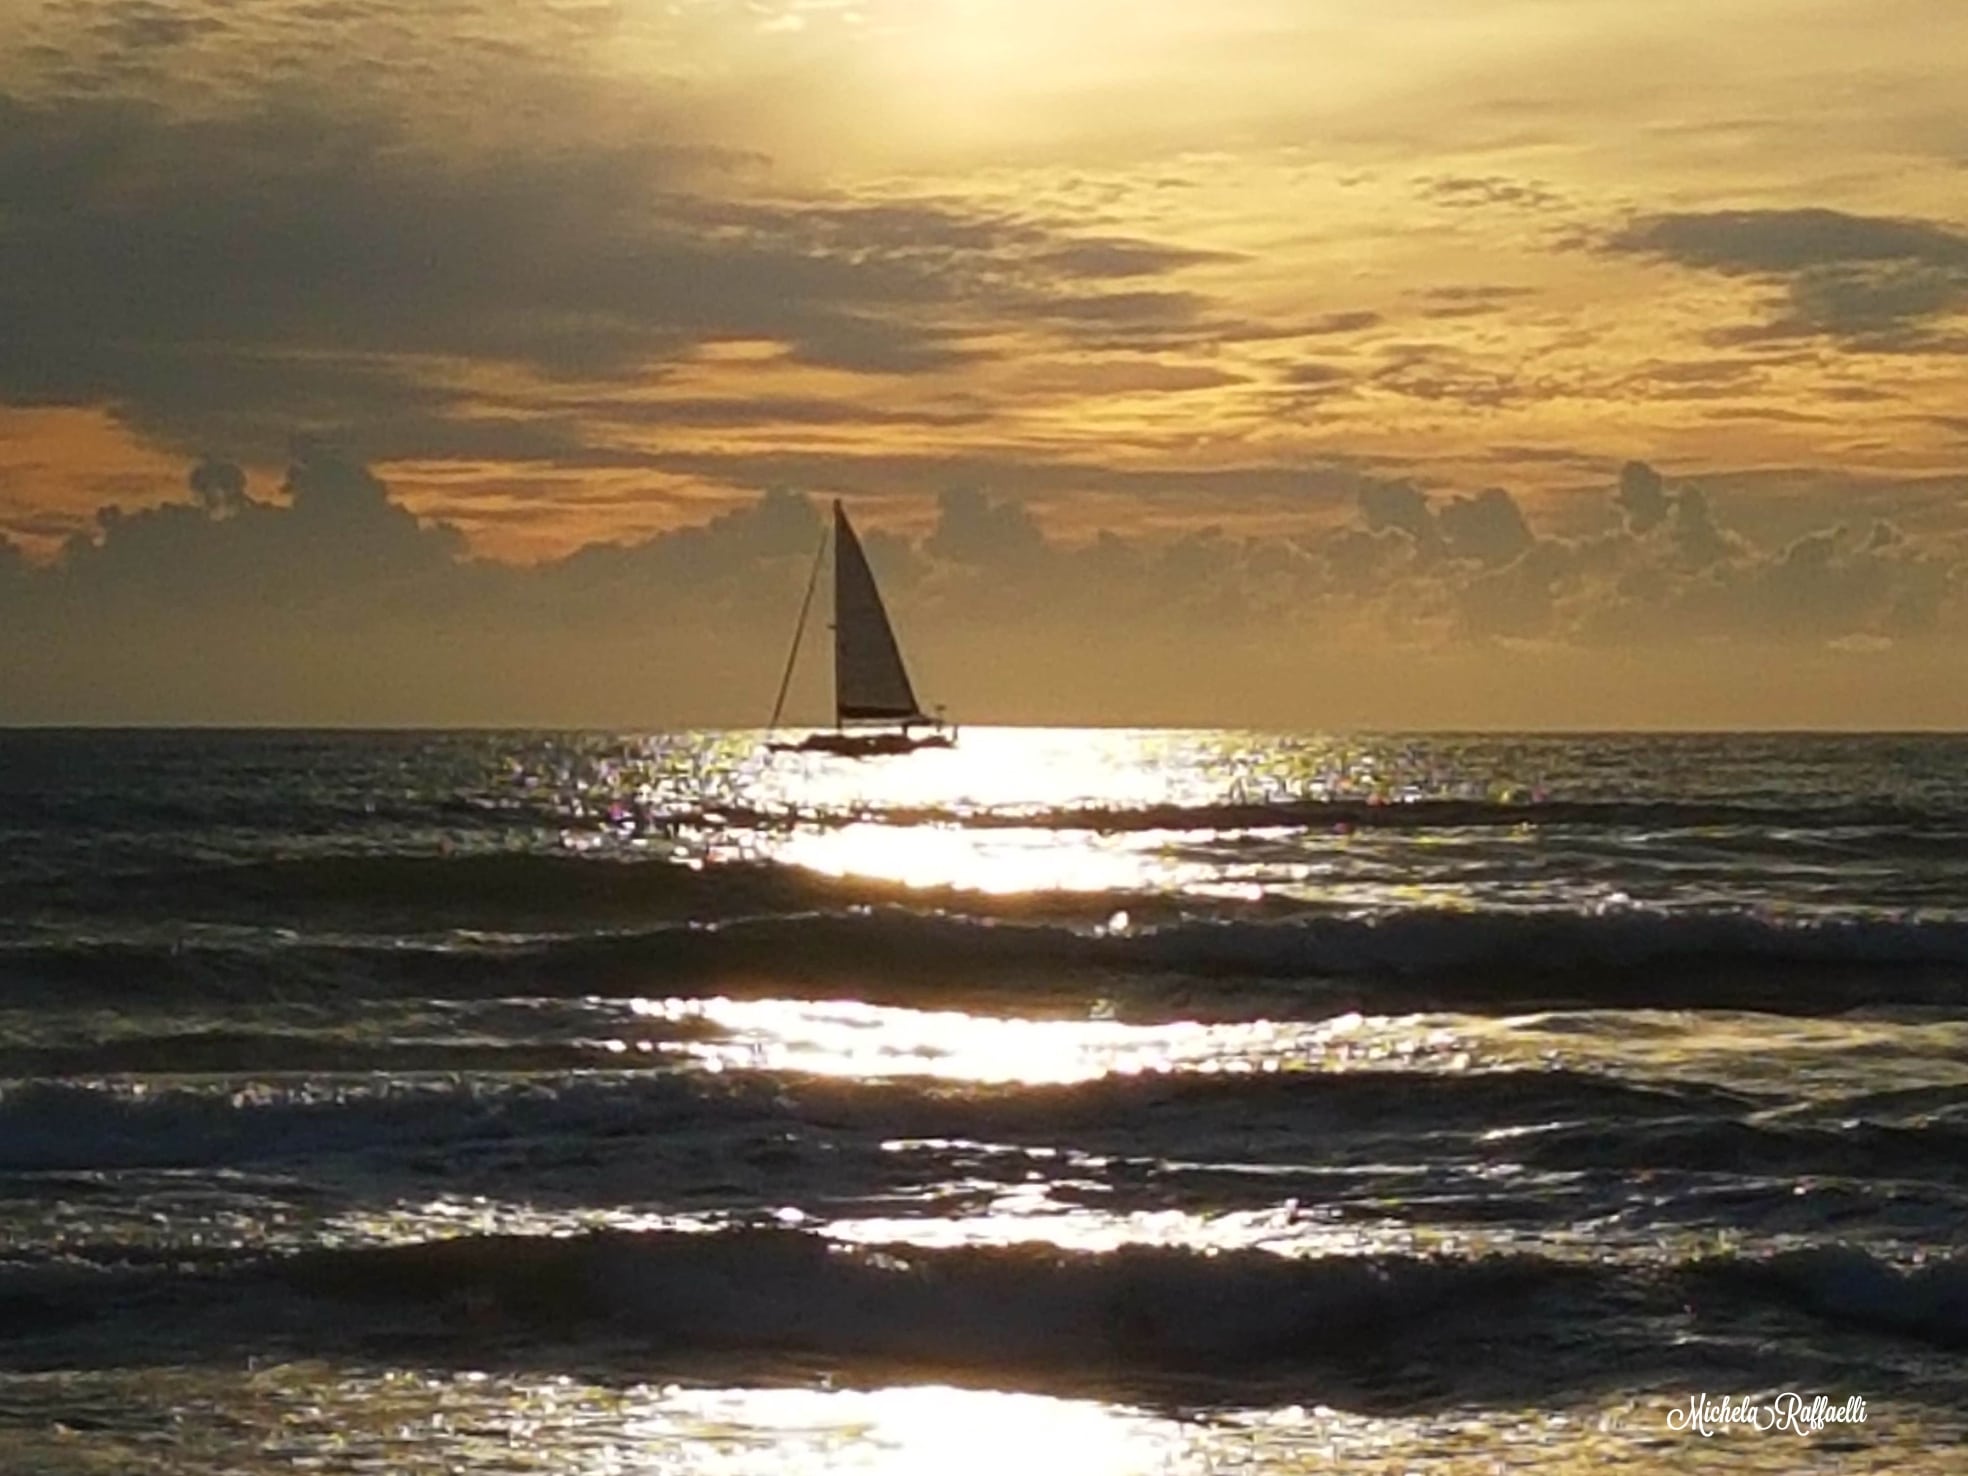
(1099, 1101)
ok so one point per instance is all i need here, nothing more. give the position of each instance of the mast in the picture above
(799, 629)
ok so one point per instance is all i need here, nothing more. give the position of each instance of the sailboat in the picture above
(871, 685)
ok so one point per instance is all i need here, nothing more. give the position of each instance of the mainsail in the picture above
(870, 682)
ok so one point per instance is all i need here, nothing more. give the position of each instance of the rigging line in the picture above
(806, 604)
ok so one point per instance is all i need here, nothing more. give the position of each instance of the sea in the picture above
(1099, 1101)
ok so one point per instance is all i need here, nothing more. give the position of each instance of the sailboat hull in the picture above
(864, 745)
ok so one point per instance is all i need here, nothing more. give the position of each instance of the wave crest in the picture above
(1208, 967)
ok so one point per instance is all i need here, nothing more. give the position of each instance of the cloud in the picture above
(1357, 321)
(1156, 489)
(219, 487)
(1474, 192)
(1668, 573)
(337, 542)
(1642, 497)
(1318, 376)
(145, 25)
(973, 528)
(720, 566)
(1445, 373)
(1473, 301)
(1875, 304)
(1519, 598)
(1874, 283)
(1118, 258)
(1781, 242)
(219, 277)
(1695, 533)
(1403, 508)
(618, 266)
(327, 596)
(1488, 527)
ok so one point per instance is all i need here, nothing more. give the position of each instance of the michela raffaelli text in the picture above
(1769, 1414)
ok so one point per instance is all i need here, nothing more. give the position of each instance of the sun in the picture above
(985, 38)
(975, 67)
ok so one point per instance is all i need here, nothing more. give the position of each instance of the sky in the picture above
(1437, 363)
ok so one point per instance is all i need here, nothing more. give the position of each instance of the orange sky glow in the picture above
(1236, 313)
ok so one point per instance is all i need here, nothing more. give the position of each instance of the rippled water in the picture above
(1105, 1101)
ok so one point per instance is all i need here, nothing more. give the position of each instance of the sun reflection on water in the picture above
(321, 1416)
(847, 1038)
(1031, 1215)
(913, 820)
(910, 1430)
(1001, 861)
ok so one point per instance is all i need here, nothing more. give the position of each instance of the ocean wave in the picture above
(795, 1291)
(895, 955)
(1850, 1289)
(436, 1124)
(626, 862)
(1396, 1324)
(218, 1051)
(513, 889)
(1024, 1307)
(304, 813)
(1372, 813)
(789, 1291)
(1857, 1149)
(60, 1126)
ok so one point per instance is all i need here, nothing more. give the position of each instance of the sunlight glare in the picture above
(1001, 862)
(904, 1430)
(846, 1038)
